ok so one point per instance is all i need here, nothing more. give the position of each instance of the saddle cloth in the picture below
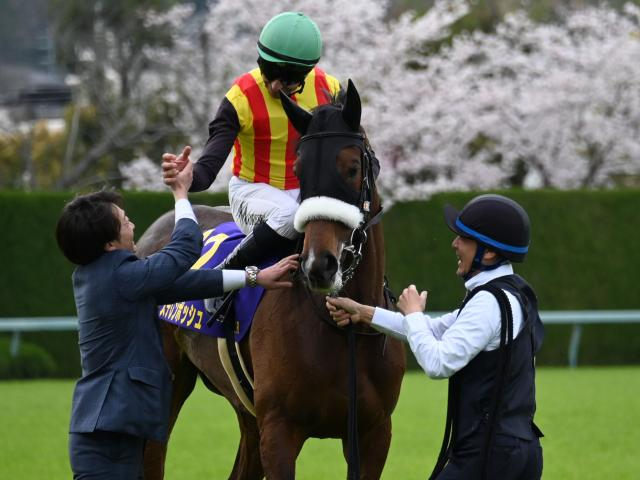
(217, 244)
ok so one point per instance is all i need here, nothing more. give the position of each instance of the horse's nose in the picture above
(323, 270)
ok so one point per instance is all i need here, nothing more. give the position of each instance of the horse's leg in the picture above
(248, 464)
(185, 375)
(203, 353)
(374, 446)
(280, 444)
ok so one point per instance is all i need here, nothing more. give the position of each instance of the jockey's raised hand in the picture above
(172, 165)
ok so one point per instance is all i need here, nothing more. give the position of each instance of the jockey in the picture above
(264, 190)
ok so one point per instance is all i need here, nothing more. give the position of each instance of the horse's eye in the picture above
(352, 172)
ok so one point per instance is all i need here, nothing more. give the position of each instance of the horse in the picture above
(297, 356)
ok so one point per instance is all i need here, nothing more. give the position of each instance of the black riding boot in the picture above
(253, 248)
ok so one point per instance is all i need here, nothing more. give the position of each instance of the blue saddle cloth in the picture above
(218, 243)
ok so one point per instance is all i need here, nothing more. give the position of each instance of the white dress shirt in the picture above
(183, 210)
(446, 344)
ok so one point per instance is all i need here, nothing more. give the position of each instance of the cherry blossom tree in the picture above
(557, 104)
(553, 105)
(103, 43)
(360, 43)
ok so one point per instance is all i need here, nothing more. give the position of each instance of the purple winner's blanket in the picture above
(218, 243)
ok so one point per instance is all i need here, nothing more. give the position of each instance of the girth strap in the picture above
(353, 453)
(230, 354)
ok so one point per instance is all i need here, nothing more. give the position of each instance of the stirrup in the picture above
(223, 305)
(213, 304)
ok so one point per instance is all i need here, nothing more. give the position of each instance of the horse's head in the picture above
(336, 188)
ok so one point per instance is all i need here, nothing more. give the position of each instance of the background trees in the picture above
(456, 98)
(554, 105)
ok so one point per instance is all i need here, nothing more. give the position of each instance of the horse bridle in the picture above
(352, 252)
(358, 237)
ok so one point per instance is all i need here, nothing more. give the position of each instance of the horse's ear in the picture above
(298, 116)
(352, 108)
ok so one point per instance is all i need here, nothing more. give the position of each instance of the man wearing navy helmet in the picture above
(486, 348)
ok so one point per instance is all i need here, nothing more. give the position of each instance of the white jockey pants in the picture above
(252, 203)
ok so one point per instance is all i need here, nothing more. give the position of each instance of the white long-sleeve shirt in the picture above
(446, 344)
(183, 209)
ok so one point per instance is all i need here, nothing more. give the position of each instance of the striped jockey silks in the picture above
(264, 151)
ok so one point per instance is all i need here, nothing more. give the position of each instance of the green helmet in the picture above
(292, 38)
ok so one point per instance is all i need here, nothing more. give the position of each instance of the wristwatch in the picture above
(252, 275)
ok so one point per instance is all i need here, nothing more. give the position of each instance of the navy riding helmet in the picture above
(495, 222)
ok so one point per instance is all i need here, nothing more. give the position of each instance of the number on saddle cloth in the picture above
(217, 244)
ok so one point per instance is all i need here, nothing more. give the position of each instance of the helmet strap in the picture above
(478, 266)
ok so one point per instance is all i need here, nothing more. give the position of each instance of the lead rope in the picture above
(452, 404)
(445, 448)
(353, 472)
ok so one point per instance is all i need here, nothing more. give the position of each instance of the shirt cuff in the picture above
(388, 322)
(183, 210)
(233, 280)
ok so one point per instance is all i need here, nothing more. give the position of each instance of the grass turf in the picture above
(590, 417)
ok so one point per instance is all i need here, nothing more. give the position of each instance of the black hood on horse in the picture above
(324, 134)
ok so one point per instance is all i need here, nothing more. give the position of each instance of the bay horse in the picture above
(297, 356)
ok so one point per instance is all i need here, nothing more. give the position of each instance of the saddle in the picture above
(233, 315)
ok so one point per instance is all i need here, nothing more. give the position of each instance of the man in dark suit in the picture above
(123, 396)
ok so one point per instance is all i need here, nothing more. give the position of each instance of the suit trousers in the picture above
(511, 458)
(106, 455)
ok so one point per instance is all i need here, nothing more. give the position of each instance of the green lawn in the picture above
(591, 417)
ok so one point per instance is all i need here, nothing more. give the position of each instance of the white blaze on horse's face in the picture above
(311, 262)
(309, 269)
(327, 224)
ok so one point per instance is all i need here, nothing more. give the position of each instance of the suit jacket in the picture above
(126, 381)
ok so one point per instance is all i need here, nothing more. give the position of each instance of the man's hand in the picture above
(172, 165)
(274, 276)
(177, 172)
(344, 311)
(411, 301)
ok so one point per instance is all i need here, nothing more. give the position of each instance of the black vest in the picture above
(495, 392)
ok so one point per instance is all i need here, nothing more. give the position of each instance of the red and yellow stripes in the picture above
(265, 148)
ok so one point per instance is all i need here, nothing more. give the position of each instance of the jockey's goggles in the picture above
(287, 74)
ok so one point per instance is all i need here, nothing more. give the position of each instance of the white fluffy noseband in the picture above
(326, 208)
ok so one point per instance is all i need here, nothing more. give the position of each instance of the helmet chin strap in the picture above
(478, 266)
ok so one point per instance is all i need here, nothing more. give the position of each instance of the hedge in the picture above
(36, 278)
(583, 256)
(32, 361)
